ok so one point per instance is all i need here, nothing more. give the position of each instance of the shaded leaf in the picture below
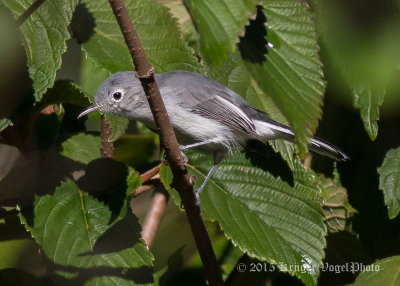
(291, 71)
(41, 171)
(263, 215)
(367, 65)
(175, 262)
(135, 149)
(82, 148)
(158, 32)
(63, 92)
(45, 34)
(382, 272)
(14, 276)
(219, 23)
(389, 181)
(72, 229)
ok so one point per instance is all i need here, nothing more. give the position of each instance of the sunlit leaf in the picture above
(158, 32)
(263, 215)
(45, 34)
(219, 23)
(288, 68)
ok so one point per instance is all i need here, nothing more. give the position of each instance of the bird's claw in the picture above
(185, 158)
(197, 194)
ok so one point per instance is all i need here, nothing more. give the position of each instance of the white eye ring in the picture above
(117, 95)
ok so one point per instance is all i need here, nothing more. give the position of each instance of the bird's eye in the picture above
(117, 95)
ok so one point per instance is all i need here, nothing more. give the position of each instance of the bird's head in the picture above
(121, 94)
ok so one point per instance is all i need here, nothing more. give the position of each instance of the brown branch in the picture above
(107, 148)
(21, 19)
(182, 182)
(155, 214)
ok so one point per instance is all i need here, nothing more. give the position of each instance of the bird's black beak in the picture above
(90, 109)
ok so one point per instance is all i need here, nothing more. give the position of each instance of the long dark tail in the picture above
(271, 129)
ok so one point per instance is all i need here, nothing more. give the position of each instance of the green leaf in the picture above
(133, 181)
(82, 148)
(367, 65)
(62, 92)
(382, 272)
(219, 23)
(233, 73)
(368, 101)
(263, 215)
(74, 232)
(158, 32)
(44, 36)
(91, 77)
(389, 181)
(291, 71)
(4, 123)
(118, 126)
(135, 149)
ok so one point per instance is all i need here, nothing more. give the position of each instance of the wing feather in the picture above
(226, 113)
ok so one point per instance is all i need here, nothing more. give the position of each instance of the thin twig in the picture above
(21, 19)
(150, 173)
(107, 148)
(148, 185)
(182, 181)
(307, 160)
(154, 215)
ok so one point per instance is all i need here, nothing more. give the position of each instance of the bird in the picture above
(205, 115)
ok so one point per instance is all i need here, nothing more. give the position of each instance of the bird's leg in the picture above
(187, 147)
(217, 158)
(195, 145)
(185, 158)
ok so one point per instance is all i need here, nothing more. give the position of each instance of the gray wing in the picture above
(207, 98)
(225, 112)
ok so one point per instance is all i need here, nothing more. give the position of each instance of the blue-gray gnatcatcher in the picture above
(205, 114)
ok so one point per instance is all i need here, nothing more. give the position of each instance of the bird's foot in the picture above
(185, 159)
